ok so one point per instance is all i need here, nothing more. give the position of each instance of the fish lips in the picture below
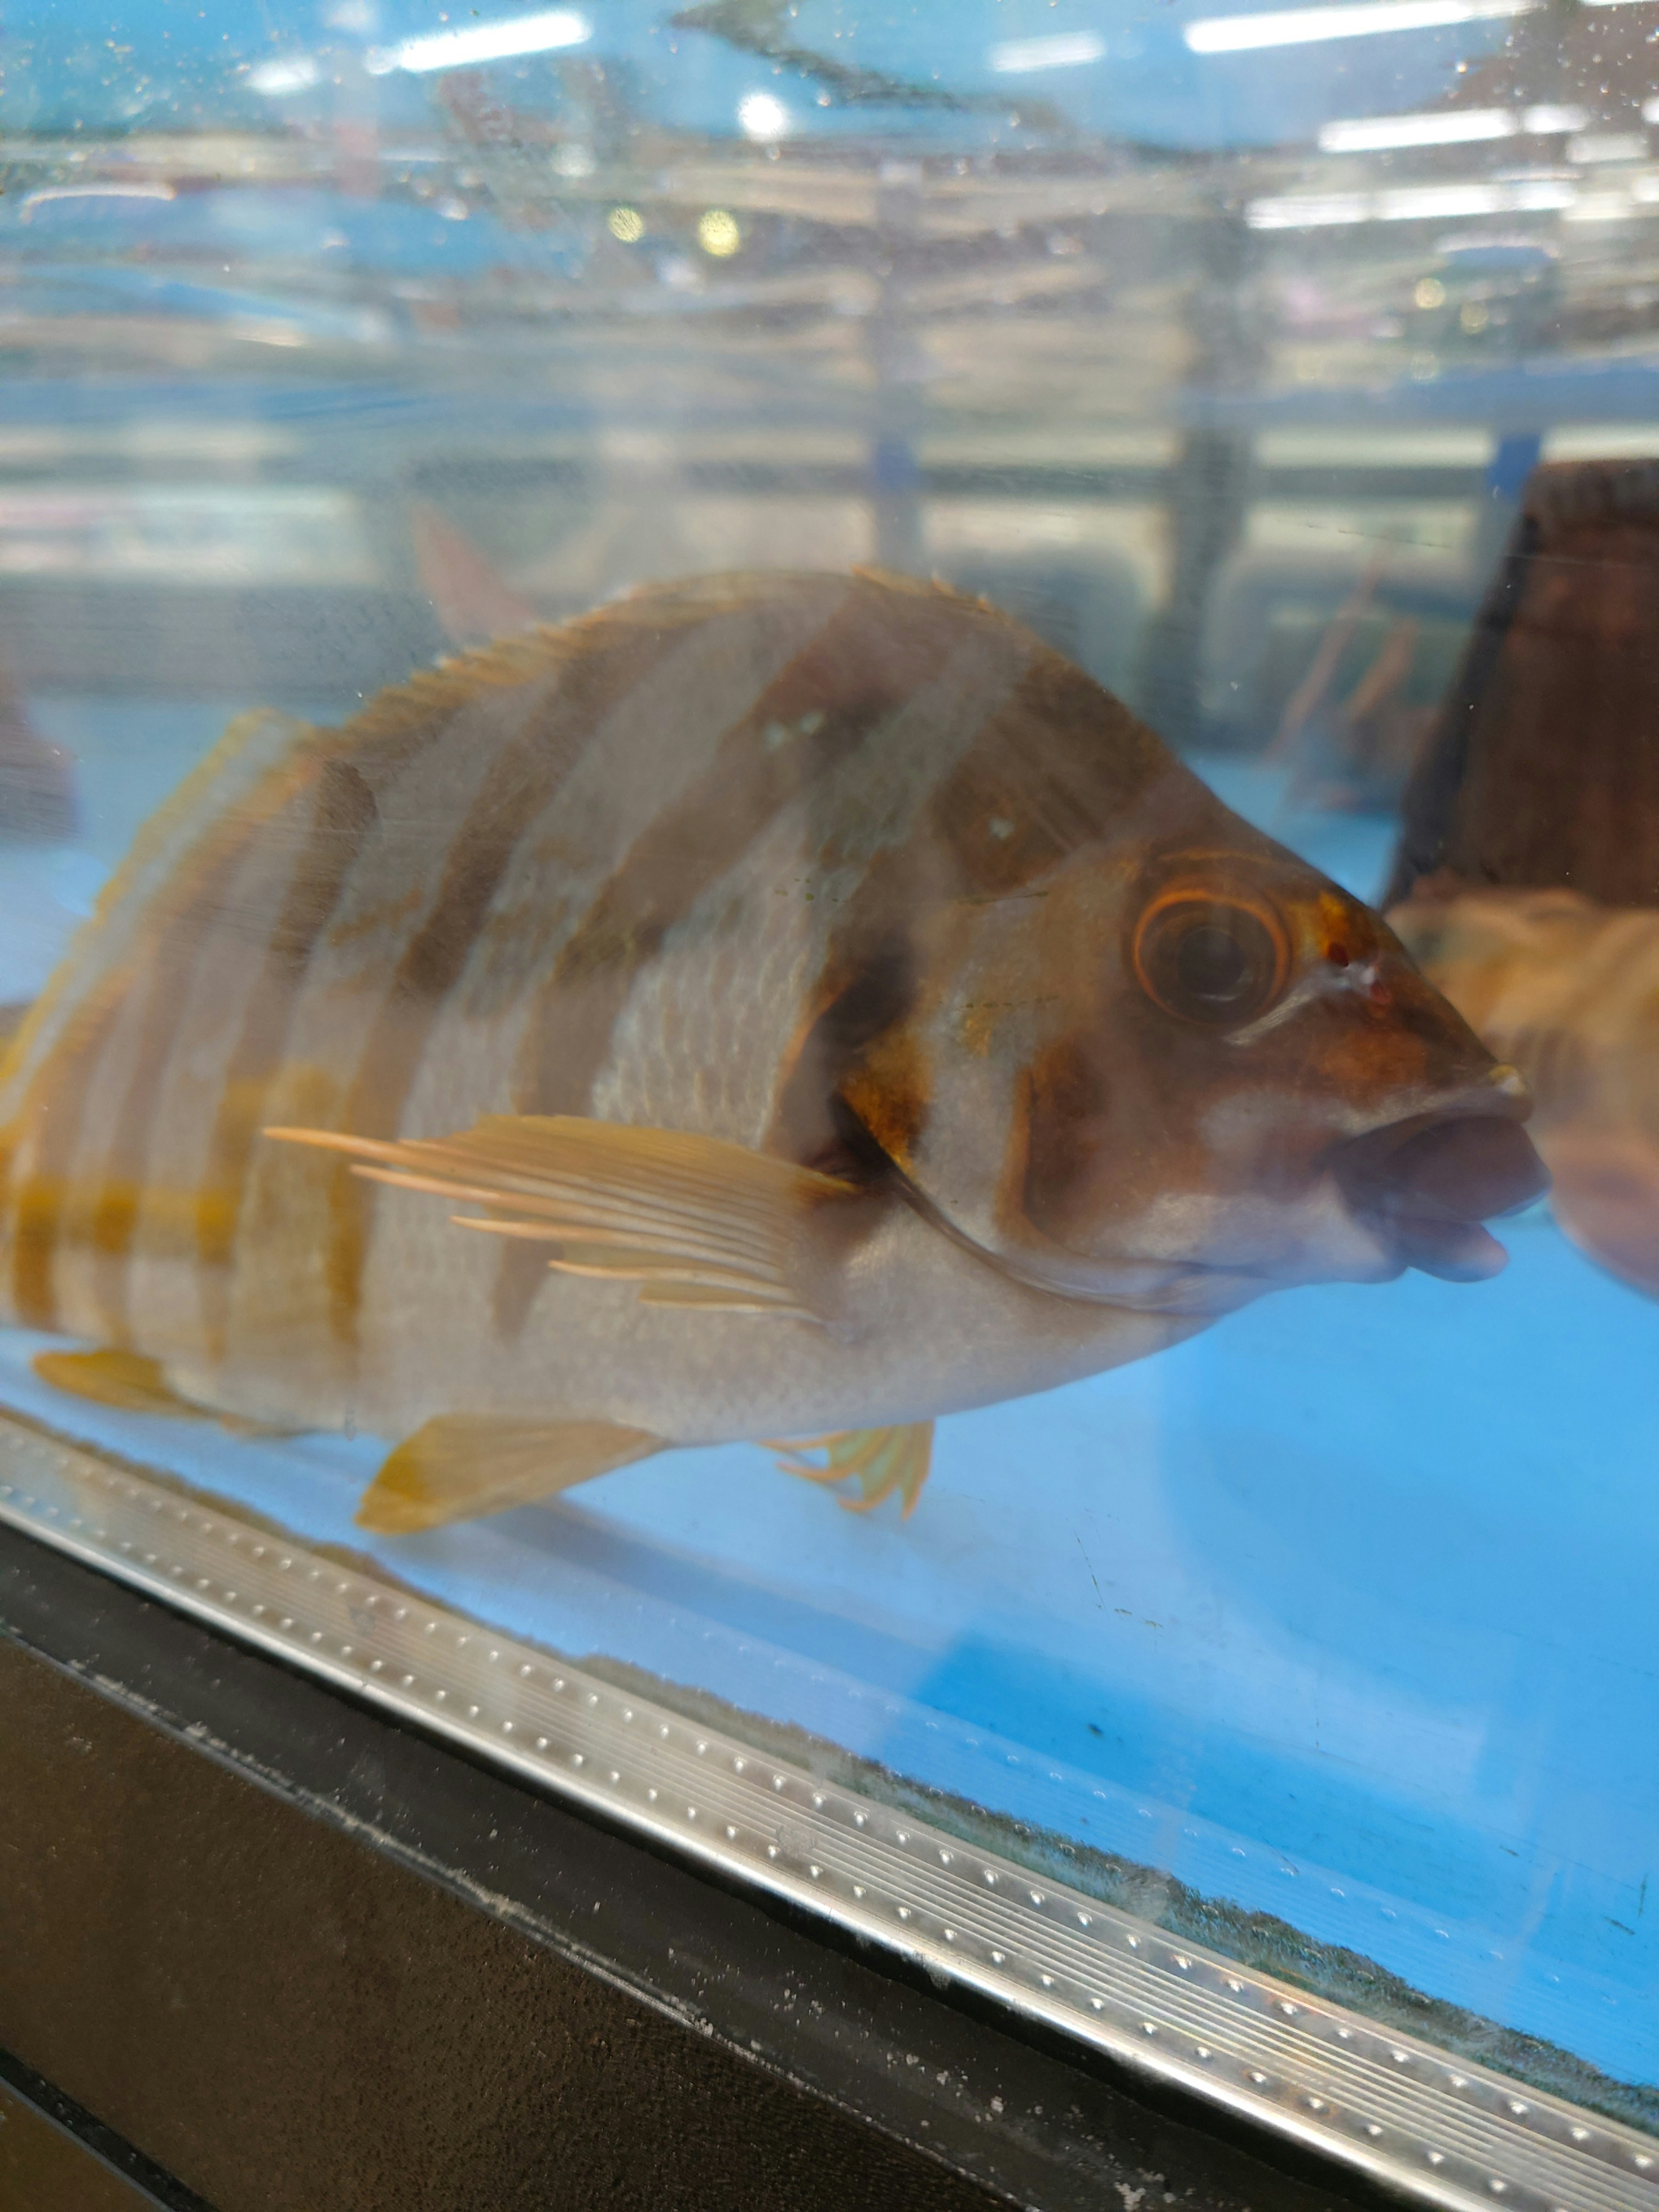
(1426, 1187)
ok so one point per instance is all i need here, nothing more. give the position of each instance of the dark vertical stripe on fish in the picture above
(1061, 764)
(526, 776)
(173, 951)
(857, 670)
(343, 816)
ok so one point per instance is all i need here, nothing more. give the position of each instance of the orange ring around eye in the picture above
(1218, 957)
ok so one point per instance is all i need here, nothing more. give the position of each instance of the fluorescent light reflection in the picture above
(1413, 204)
(502, 41)
(1541, 121)
(1065, 50)
(1457, 126)
(1374, 134)
(293, 73)
(48, 194)
(1300, 27)
(1608, 146)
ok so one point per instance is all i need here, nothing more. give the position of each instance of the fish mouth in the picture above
(1425, 1187)
(1414, 1193)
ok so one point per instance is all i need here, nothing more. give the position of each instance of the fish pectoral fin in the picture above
(459, 1466)
(694, 1220)
(881, 1461)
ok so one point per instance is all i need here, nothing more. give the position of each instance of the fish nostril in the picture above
(1510, 1085)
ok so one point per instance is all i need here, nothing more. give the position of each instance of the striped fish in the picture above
(786, 1007)
(1569, 990)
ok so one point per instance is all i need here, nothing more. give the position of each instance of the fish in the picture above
(1568, 990)
(778, 1009)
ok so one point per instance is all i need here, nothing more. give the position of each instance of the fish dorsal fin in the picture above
(525, 656)
(459, 1466)
(432, 693)
(694, 1220)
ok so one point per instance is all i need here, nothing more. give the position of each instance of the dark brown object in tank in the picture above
(1543, 767)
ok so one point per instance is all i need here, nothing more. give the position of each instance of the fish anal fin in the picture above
(458, 1466)
(880, 1461)
(663, 1207)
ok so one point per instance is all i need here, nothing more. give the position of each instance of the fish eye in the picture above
(1214, 957)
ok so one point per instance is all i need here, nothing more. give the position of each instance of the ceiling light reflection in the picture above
(502, 41)
(1297, 26)
(1064, 50)
(1412, 204)
(764, 117)
(1542, 121)
(1447, 126)
(1374, 134)
(1608, 146)
(292, 73)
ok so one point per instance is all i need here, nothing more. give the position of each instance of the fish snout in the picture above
(1427, 1184)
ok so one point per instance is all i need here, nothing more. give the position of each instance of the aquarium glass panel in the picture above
(829, 907)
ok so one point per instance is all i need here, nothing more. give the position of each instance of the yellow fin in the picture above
(134, 1384)
(695, 1220)
(882, 1460)
(125, 1380)
(461, 1465)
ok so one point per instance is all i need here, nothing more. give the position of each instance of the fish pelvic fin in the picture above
(881, 1461)
(692, 1221)
(460, 1465)
(129, 1383)
(125, 1380)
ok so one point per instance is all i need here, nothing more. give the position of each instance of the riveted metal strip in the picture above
(1450, 2133)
